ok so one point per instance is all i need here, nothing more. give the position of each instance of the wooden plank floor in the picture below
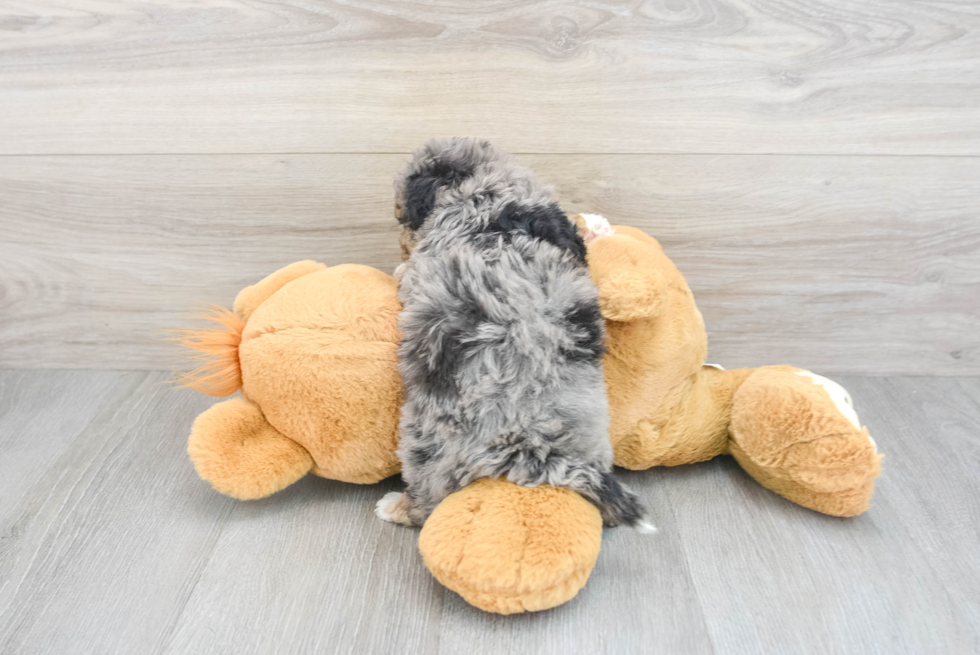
(109, 543)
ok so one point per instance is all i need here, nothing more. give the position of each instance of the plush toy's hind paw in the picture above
(798, 435)
(235, 449)
(508, 549)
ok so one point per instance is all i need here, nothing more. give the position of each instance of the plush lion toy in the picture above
(313, 351)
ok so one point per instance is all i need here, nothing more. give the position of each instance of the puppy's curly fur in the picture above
(502, 337)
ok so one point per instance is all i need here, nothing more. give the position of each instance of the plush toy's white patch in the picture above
(841, 398)
(596, 227)
(392, 507)
(717, 366)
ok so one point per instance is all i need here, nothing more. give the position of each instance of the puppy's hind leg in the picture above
(394, 507)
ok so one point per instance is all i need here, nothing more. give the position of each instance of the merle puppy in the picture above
(502, 338)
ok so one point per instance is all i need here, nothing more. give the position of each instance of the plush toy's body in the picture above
(795, 432)
(322, 394)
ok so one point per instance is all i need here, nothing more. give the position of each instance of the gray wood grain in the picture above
(110, 544)
(841, 264)
(104, 547)
(829, 76)
(312, 570)
(936, 430)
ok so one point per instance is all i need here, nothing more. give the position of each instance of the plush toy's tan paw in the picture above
(393, 507)
(235, 449)
(508, 549)
(798, 435)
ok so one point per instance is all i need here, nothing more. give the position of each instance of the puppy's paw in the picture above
(393, 507)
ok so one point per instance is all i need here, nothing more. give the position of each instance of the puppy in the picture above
(502, 338)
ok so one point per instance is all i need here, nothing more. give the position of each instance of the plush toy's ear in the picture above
(624, 269)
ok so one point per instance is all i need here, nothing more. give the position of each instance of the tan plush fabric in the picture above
(788, 434)
(319, 358)
(651, 357)
(235, 449)
(690, 426)
(318, 365)
(220, 371)
(249, 298)
(509, 549)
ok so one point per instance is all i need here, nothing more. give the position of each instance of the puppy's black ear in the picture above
(441, 165)
(420, 196)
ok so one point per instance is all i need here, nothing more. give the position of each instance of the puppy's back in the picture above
(502, 334)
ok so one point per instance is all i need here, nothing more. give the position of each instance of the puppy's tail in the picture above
(617, 504)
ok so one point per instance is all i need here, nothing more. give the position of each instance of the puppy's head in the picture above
(439, 166)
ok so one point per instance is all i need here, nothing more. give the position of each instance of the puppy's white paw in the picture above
(399, 271)
(393, 507)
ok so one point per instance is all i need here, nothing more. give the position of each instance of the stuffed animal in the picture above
(313, 350)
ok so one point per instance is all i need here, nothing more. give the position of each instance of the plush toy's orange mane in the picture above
(220, 373)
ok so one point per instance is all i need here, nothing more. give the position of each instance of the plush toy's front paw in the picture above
(393, 507)
(508, 549)
(798, 434)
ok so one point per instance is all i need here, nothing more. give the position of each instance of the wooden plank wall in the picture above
(812, 167)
